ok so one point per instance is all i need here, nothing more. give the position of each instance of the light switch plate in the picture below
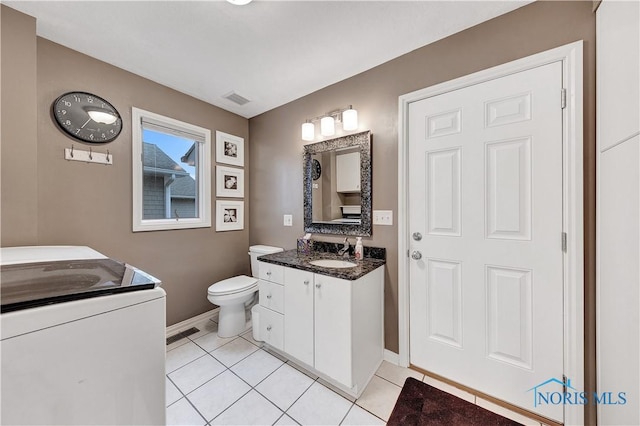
(288, 220)
(383, 217)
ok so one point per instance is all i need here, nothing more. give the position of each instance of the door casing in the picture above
(573, 215)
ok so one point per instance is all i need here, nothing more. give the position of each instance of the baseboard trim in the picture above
(188, 323)
(391, 357)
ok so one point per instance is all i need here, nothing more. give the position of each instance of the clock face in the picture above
(316, 169)
(87, 117)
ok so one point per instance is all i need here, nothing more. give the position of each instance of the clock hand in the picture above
(82, 127)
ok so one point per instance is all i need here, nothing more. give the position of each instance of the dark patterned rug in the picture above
(420, 405)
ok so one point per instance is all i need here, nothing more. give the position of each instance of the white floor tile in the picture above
(285, 421)
(182, 355)
(284, 386)
(379, 397)
(359, 416)
(177, 343)
(254, 368)
(205, 326)
(516, 417)
(234, 351)
(212, 341)
(396, 374)
(196, 373)
(218, 394)
(249, 337)
(182, 413)
(172, 393)
(319, 406)
(252, 409)
(469, 397)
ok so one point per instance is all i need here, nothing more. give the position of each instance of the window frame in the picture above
(203, 170)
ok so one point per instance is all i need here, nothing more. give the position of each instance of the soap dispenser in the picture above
(358, 248)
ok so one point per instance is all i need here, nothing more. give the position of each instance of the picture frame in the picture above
(229, 149)
(229, 182)
(229, 215)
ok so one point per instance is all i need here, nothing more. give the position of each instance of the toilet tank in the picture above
(255, 251)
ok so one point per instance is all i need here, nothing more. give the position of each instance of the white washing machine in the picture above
(83, 339)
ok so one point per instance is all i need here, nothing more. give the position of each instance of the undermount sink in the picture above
(333, 263)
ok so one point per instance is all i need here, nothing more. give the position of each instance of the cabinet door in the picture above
(348, 172)
(333, 328)
(298, 314)
(271, 327)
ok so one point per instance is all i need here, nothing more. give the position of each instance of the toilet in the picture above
(232, 294)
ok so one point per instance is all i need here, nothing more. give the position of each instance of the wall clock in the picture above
(316, 169)
(87, 117)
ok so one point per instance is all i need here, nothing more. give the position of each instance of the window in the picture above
(171, 173)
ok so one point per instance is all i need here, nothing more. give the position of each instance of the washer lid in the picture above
(232, 285)
(261, 249)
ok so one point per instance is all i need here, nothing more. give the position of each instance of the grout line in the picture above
(347, 413)
(186, 399)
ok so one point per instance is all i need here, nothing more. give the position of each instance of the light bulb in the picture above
(308, 131)
(350, 119)
(327, 126)
(239, 2)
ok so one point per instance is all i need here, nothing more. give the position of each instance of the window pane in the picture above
(169, 176)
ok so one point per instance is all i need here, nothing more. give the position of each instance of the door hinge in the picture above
(564, 384)
(564, 242)
(563, 98)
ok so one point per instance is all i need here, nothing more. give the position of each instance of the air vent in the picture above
(234, 97)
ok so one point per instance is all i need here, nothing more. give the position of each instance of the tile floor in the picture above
(234, 381)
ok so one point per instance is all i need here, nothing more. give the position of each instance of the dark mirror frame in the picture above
(362, 139)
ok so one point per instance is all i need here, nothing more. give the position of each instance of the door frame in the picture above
(572, 202)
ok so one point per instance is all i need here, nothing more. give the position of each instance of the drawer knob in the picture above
(318, 285)
(268, 296)
(268, 328)
(306, 282)
(268, 273)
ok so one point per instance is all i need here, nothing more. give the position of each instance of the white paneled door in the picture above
(485, 200)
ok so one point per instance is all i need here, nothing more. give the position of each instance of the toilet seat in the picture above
(233, 285)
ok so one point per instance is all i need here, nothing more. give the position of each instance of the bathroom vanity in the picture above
(327, 319)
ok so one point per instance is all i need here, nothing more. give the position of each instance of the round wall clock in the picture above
(316, 169)
(86, 117)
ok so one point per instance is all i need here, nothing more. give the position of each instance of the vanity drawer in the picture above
(272, 296)
(271, 272)
(272, 328)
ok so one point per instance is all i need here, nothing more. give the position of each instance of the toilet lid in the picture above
(232, 285)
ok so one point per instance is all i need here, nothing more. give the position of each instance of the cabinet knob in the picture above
(318, 285)
(268, 296)
(306, 282)
(268, 328)
(268, 273)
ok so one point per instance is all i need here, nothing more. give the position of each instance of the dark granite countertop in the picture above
(293, 259)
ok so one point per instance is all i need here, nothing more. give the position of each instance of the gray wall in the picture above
(276, 145)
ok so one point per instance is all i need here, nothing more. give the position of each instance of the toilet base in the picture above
(231, 320)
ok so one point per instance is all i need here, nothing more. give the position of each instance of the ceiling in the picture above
(270, 52)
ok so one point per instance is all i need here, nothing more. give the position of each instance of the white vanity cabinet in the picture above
(334, 326)
(271, 299)
(348, 172)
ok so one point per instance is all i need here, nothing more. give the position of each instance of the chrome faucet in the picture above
(344, 251)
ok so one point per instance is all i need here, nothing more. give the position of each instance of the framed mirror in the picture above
(337, 186)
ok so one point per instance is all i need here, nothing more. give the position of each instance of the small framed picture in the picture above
(229, 182)
(229, 149)
(229, 215)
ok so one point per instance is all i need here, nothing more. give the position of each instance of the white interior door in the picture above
(485, 193)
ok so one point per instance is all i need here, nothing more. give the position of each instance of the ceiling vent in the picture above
(234, 97)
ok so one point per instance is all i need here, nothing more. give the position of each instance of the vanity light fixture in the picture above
(347, 116)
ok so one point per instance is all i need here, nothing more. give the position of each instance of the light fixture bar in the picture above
(348, 116)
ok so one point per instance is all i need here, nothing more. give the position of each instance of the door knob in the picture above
(417, 236)
(416, 255)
